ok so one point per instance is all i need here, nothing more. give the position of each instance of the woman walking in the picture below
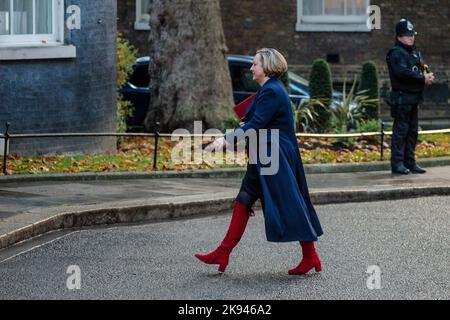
(288, 212)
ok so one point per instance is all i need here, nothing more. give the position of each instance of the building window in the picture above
(332, 15)
(31, 22)
(142, 15)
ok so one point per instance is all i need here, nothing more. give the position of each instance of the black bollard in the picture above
(5, 151)
(382, 141)
(155, 153)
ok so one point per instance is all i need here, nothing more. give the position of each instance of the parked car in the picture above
(137, 91)
(244, 85)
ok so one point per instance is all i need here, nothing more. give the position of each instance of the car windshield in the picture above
(298, 79)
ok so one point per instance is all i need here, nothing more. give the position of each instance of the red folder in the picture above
(242, 107)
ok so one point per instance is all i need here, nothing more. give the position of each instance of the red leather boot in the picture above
(236, 229)
(310, 259)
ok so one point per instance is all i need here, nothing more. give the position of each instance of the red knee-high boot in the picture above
(236, 229)
(310, 259)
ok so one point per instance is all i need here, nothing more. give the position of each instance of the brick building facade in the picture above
(285, 24)
(128, 24)
(65, 83)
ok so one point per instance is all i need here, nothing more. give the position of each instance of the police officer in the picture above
(408, 79)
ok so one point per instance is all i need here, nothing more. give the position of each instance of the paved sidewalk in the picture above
(29, 209)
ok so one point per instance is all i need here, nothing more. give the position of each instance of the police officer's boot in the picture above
(416, 169)
(399, 168)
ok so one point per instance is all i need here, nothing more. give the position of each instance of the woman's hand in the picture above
(216, 145)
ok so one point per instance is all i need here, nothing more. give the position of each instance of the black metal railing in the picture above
(7, 137)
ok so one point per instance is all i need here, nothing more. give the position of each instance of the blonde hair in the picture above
(273, 62)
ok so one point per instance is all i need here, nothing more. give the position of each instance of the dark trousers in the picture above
(404, 135)
(251, 189)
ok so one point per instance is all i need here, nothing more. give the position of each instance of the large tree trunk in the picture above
(189, 73)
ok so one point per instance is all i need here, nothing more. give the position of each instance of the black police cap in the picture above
(405, 28)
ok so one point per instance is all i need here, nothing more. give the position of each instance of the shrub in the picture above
(285, 79)
(126, 57)
(372, 125)
(305, 115)
(347, 143)
(368, 83)
(348, 113)
(321, 88)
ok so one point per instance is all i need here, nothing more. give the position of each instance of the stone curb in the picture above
(216, 173)
(168, 211)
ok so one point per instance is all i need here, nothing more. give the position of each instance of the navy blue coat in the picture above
(288, 212)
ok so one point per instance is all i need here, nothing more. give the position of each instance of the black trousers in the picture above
(251, 189)
(404, 135)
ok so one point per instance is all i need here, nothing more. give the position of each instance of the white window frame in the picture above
(47, 46)
(138, 25)
(55, 38)
(334, 23)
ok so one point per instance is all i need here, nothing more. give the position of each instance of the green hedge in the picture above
(321, 88)
(368, 82)
(126, 58)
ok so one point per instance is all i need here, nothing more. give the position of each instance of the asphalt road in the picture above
(408, 240)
